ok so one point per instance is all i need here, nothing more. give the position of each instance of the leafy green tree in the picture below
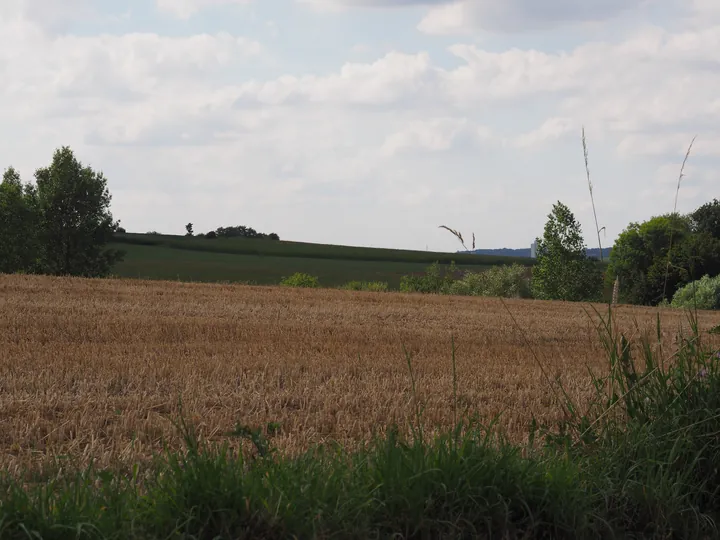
(19, 246)
(189, 229)
(75, 219)
(707, 219)
(655, 258)
(563, 271)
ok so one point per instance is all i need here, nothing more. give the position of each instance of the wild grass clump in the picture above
(648, 441)
(372, 286)
(701, 294)
(300, 279)
(499, 281)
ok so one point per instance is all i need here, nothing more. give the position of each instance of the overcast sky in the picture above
(369, 122)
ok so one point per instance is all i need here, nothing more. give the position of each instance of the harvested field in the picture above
(94, 368)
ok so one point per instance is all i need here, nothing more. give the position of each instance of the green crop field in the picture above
(267, 262)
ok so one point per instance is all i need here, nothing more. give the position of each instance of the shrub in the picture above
(300, 279)
(373, 286)
(703, 294)
(499, 281)
(433, 281)
(211, 235)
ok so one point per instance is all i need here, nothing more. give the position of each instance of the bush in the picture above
(499, 281)
(211, 235)
(432, 282)
(703, 294)
(300, 279)
(373, 286)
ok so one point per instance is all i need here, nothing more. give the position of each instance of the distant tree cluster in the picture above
(656, 258)
(239, 231)
(653, 260)
(61, 224)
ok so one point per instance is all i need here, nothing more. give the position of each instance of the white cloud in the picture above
(185, 133)
(392, 78)
(184, 9)
(435, 135)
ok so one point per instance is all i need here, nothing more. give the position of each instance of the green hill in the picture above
(266, 261)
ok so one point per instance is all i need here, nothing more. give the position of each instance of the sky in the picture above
(370, 122)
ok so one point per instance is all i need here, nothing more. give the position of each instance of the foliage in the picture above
(75, 219)
(241, 231)
(707, 219)
(701, 294)
(655, 258)
(433, 281)
(300, 279)
(373, 286)
(499, 281)
(19, 243)
(211, 235)
(189, 229)
(564, 272)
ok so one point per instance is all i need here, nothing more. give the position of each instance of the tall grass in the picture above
(590, 188)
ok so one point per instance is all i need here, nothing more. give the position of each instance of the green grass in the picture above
(170, 263)
(244, 246)
(641, 462)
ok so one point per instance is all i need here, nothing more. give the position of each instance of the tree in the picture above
(189, 229)
(273, 236)
(707, 219)
(563, 271)
(75, 219)
(655, 258)
(19, 244)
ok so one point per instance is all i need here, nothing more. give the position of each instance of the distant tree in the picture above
(707, 219)
(240, 231)
(189, 229)
(20, 249)
(121, 230)
(211, 235)
(655, 258)
(273, 236)
(75, 219)
(563, 271)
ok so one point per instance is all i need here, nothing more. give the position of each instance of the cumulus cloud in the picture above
(184, 131)
(393, 78)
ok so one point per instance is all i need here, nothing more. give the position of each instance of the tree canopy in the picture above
(62, 225)
(564, 271)
(655, 258)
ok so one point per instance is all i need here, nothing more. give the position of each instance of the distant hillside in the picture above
(266, 262)
(525, 252)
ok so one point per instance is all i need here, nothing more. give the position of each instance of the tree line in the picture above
(238, 231)
(652, 260)
(61, 225)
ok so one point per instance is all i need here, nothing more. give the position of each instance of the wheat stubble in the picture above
(93, 368)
